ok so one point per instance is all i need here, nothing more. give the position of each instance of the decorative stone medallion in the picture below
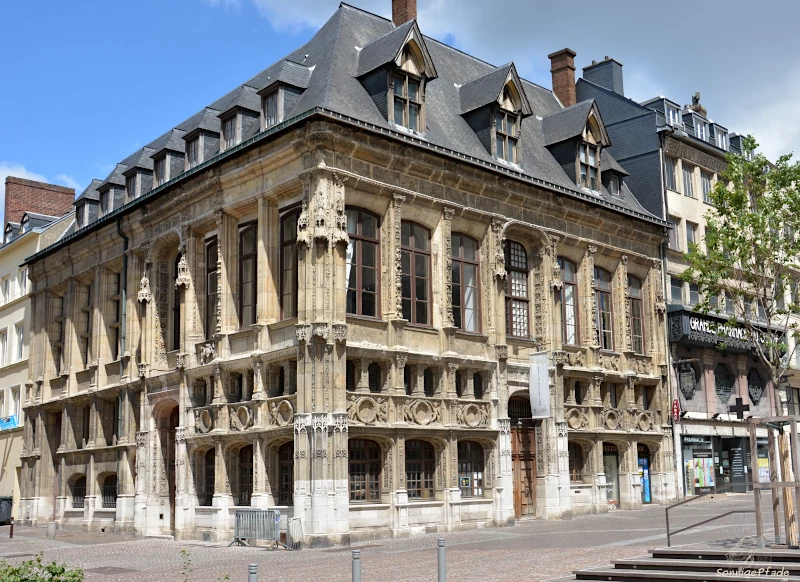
(204, 421)
(282, 413)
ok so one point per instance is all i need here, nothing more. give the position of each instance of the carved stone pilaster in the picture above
(627, 314)
(397, 203)
(658, 284)
(555, 269)
(498, 231)
(595, 338)
(448, 267)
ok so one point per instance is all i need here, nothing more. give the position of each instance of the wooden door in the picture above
(523, 458)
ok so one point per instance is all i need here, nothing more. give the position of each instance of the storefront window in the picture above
(643, 453)
(611, 469)
(698, 464)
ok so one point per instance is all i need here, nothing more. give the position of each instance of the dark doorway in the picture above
(523, 456)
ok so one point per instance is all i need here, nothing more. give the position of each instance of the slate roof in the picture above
(91, 192)
(116, 177)
(567, 123)
(172, 140)
(207, 119)
(141, 159)
(294, 74)
(243, 96)
(487, 88)
(37, 220)
(382, 50)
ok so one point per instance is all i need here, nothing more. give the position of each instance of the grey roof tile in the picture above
(243, 96)
(286, 72)
(488, 88)
(116, 177)
(91, 193)
(140, 159)
(207, 119)
(567, 123)
(172, 140)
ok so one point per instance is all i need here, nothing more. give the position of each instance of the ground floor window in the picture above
(206, 493)
(470, 469)
(245, 475)
(420, 468)
(575, 463)
(365, 470)
(286, 474)
(78, 492)
(110, 492)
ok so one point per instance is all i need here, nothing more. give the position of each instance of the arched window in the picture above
(365, 470)
(206, 493)
(415, 261)
(519, 407)
(286, 474)
(604, 315)
(428, 385)
(637, 321)
(374, 375)
(466, 290)
(363, 253)
(247, 274)
(575, 463)
(569, 302)
(755, 386)
(470, 469)
(245, 475)
(516, 290)
(110, 492)
(723, 382)
(288, 294)
(350, 376)
(78, 492)
(420, 469)
(176, 307)
(211, 287)
(477, 385)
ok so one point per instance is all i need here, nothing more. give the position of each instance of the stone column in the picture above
(450, 384)
(219, 390)
(447, 259)
(418, 375)
(258, 381)
(399, 374)
(362, 384)
(394, 307)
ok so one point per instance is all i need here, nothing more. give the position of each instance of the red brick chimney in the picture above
(29, 196)
(562, 67)
(403, 11)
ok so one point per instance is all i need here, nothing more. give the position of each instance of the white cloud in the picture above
(18, 171)
(69, 182)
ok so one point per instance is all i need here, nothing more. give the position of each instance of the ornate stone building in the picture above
(320, 294)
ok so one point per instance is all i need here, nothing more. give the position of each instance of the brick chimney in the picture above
(562, 67)
(29, 196)
(403, 11)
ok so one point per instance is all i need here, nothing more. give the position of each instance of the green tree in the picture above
(750, 260)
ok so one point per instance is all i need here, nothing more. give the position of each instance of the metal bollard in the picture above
(252, 573)
(356, 565)
(11, 533)
(442, 561)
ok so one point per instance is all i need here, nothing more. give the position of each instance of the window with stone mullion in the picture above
(363, 252)
(211, 287)
(590, 166)
(420, 469)
(415, 267)
(604, 313)
(407, 95)
(506, 130)
(569, 302)
(517, 305)
(288, 294)
(364, 459)
(465, 289)
(470, 469)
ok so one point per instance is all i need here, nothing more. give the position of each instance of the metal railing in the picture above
(716, 491)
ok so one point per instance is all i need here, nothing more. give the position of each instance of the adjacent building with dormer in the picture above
(323, 292)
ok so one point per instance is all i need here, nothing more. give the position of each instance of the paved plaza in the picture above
(532, 550)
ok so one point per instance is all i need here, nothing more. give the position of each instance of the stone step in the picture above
(161, 537)
(765, 555)
(620, 575)
(683, 565)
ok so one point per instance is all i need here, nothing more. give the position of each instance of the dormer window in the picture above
(506, 129)
(26, 226)
(613, 185)
(105, 202)
(407, 101)
(673, 115)
(721, 139)
(8, 235)
(590, 166)
(701, 129)
(80, 215)
(270, 106)
(132, 187)
(229, 132)
(193, 152)
(160, 175)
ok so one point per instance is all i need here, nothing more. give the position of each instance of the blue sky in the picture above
(85, 83)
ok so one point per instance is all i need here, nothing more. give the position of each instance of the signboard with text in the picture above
(539, 385)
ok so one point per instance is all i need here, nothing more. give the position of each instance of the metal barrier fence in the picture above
(257, 524)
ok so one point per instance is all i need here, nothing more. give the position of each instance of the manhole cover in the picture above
(20, 556)
(110, 570)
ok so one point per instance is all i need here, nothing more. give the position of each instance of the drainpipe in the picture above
(123, 297)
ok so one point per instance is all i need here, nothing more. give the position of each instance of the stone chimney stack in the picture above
(403, 11)
(607, 74)
(562, 67)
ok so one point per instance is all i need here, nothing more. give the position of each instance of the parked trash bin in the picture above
(6, 503)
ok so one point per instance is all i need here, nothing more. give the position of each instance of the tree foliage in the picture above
(749, 261)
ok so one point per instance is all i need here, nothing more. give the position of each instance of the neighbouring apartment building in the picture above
(36, 215)
(322, 292)
(675, 155)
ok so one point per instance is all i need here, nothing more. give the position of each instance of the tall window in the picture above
(637, 321)
(602, 285)
(20, 332)
(105, 202)
(676, 289)
(374, 377)
(160, 173)
(516, 290)
(193, 152)
(207, 493)
(3, 347)
(613, 185)
(466, 314)
(477, 386)
(80, 211)
(470, 469)
(271, 109)
(130, 185)
(721, 139)
(575, 462)
(247, 275)
(673, 115)
(420, 469)
(229, 132)
(115, 316)
(350, 376)
(15, 404)
(691, 235)
(245, 475)
(58, 338)
(407, 101)
(416, 268)
(506, 130)
(286, 474)
(176, 308)
(670, 166)
(78, 492)
(705, 184)
(22, 281)
(362, 262)
(6, 289)
(85, 324)
(694, 294)
(211, 287)
(673, 233)
(569, 302)
(110, 492)
(701, 129)
(365, 470)
(288, 293)
(688, 172)
(590, 166)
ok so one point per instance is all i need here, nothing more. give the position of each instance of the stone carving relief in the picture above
(473, 415)
(448, 267)
(339, 331)
(658, 284)
(183, 279)
(145, 294)
(645, 421)
(577, 419)
(367, 409)
(610, 362)
(498, 230)
(241, 417)
(576, 359)
(422, 412)
(207, 352)
(612, 419)
(281, 413)
(203, 421)
(641, 366)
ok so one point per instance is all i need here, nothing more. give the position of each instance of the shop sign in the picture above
(676, 410)
(689, 327)
(706, 440)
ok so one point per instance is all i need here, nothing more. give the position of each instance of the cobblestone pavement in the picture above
(533, 550)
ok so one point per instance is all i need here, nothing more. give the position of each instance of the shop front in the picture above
(711, 462)
(611, 469)
(643, 453)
